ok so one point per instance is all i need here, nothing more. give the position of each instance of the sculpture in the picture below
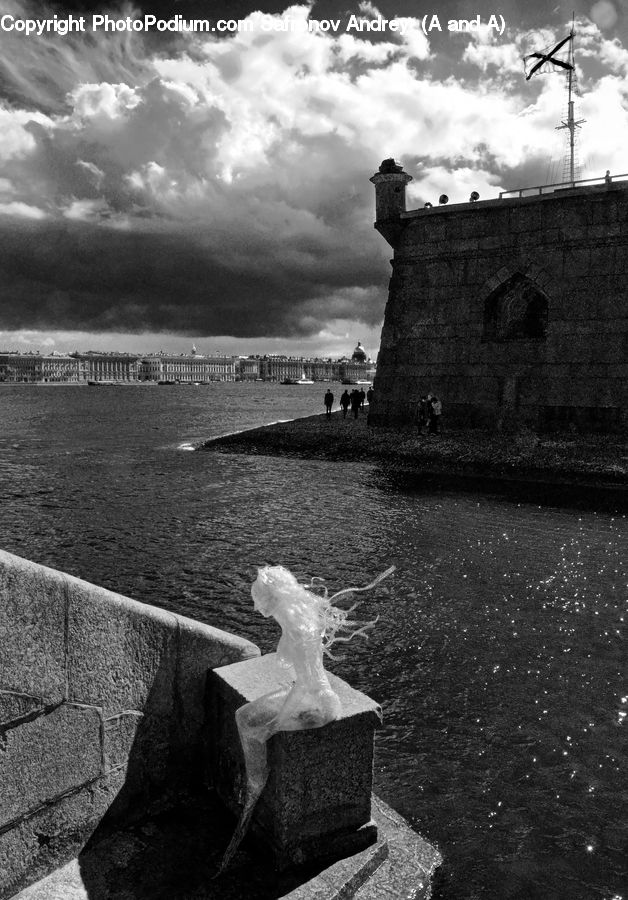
(310, 624)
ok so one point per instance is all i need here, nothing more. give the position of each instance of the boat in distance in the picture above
(301, 380)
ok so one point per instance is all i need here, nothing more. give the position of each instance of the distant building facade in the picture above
(248, 368)
(30, 368)
(186, 369)
(359, 368)
(507, 307)
(100, 367)
(18, 368)
(281, 368)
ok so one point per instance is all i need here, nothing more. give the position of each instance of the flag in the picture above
(557, 59)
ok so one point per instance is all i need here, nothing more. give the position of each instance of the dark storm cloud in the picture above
(120, 281)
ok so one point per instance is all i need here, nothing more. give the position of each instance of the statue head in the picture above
(277, 593)
(273, 588)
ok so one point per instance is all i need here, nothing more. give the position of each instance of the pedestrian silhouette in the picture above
(355, 400)
(329, 402)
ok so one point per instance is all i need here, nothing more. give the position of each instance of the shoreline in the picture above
(585, 462)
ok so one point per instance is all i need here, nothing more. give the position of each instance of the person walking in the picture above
(369, 396)
(345, 403)
(430, 415)
(422, 417)
(329, 402)
(355, 402)
(435, 419)
(362, 394)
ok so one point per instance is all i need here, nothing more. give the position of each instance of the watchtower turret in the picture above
(390, 198)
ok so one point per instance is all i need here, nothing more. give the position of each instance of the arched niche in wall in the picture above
(515, 310)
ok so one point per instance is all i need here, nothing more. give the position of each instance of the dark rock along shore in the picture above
(578, 460)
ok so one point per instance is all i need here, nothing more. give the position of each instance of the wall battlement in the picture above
(510, 307)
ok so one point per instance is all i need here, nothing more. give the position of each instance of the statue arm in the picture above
(285, 651)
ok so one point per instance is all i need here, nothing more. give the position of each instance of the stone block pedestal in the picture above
(317, 802)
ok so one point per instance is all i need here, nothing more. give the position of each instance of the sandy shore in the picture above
(593, 460)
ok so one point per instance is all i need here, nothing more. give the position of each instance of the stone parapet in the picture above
(101, 712)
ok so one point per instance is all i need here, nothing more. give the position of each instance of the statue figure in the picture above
(309, 625)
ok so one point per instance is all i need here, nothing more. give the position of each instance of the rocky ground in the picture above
(593, 460)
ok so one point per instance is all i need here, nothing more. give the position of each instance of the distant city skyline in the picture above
(129, 344)
(161, 188)
(115, 367)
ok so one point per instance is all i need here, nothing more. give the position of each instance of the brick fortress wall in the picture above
(506, 307)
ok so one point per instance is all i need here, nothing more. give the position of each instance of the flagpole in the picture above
(571, 122)
(570, 115)
(541, 58)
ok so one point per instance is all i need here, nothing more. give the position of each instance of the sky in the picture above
(160, 189)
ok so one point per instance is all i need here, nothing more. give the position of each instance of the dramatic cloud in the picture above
(199, 185)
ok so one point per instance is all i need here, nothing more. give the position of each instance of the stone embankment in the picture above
(599, 461)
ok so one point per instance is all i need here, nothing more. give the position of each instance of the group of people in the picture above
(354, 401)
(427, 414)
(429, 410)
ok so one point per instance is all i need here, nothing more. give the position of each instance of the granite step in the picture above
(175, 856)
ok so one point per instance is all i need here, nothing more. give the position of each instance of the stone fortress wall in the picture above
(102, 711)
(511, 307)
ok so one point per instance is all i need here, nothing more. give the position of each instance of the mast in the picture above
(571, 122)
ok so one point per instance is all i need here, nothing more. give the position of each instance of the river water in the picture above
(498, 656)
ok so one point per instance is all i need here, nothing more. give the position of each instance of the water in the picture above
(498, 656)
